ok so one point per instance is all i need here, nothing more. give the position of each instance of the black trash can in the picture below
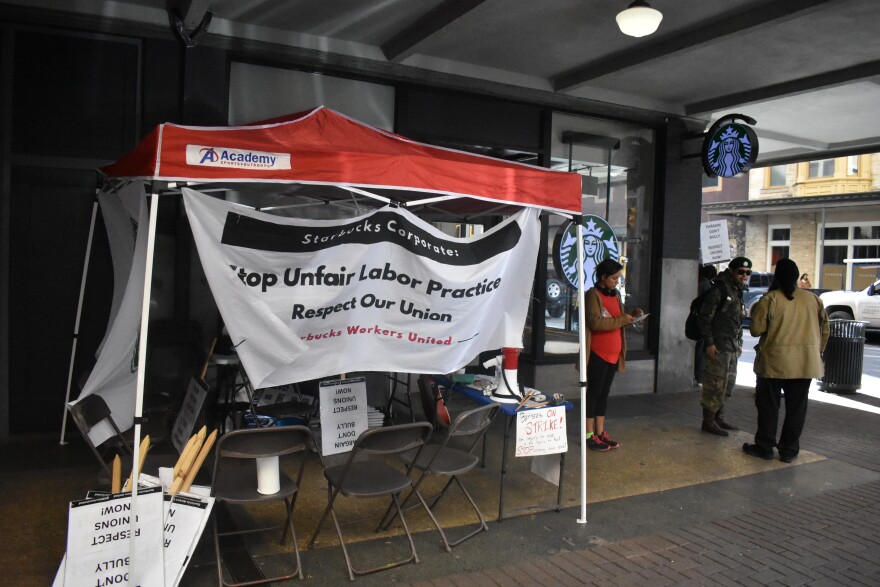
(844, 356)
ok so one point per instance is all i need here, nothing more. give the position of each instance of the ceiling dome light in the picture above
(639, 19)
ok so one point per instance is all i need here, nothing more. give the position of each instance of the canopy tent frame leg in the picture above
(142, 367)
(582, 364)
(79, 306)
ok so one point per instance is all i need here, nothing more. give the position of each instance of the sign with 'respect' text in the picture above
(714, 242)
(343, 414)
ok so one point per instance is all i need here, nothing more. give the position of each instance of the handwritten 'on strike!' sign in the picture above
(541, 432)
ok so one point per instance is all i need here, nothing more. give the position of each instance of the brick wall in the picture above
(756, 242)
(803, 241)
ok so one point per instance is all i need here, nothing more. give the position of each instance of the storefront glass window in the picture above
(867, 231)
(866, 252)
(616, 162)
(777, 175)
(777, 253)
(822, 168)
(780, 234)
(849, 257)
(836, 232)
(852, 165)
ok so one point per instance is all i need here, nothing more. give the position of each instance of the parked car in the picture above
(861, 305)
(557, 299)
(759, 283)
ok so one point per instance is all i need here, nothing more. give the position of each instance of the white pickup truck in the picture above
(861, 305)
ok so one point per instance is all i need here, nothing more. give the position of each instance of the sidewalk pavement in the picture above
(813, 522)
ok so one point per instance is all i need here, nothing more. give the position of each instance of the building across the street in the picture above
(824, 214)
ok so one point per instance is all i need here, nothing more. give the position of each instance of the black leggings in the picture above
(600, 374)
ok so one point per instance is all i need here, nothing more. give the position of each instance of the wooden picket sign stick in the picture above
(203, 454)
(527, 397)
(183, 455)
(208, 359)
(193, 453)
(116, 477)
(145, 446)
(176, 485)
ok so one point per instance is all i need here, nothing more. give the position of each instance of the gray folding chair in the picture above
(87, 413)
(453, 456)
(366, 473)
(235, 481)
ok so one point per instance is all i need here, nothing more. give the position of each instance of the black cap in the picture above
(740, 262)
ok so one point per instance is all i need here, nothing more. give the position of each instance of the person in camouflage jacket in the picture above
(720, 322)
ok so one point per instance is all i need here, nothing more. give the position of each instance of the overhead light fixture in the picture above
(639, 19)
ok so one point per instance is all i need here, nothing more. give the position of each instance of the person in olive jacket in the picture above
(793, 327)
(720, 322)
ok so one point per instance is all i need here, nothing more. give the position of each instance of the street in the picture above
(869, 391)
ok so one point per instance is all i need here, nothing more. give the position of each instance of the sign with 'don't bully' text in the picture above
(343, 414)
(714, 243)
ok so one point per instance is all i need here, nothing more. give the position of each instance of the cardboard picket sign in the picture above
(343, 414)
(99, 536)
(541, 432)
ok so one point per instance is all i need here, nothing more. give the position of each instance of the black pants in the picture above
(699, 360)
(600, 374)
(767, 394)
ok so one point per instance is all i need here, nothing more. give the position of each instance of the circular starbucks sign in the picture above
(729, 149)
(600, 243)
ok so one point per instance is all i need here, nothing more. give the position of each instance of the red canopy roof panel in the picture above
(325, 147)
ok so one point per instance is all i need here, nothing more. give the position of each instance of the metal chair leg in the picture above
(352, 571)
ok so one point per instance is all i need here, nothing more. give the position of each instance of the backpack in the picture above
(691, 330)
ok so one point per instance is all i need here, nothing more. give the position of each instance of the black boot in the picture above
(709, 424)
(722, 423)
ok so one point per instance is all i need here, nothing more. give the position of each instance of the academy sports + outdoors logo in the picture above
(206, 156)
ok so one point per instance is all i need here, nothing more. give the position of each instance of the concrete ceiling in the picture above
(807, 70)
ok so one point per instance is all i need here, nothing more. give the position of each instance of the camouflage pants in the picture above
(719, 378)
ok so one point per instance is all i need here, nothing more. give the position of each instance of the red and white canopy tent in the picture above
(325, 148)
(322, 156)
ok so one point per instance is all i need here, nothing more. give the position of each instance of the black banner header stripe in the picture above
(253, 233)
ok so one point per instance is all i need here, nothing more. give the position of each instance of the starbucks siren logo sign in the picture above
(600, 243)
(729, 149)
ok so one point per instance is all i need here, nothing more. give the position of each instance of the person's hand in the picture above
(711, 351)
(637, 312)
(627, 319)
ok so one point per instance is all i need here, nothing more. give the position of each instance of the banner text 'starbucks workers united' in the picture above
(600, 243)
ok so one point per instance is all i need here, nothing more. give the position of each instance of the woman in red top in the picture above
(605, 320)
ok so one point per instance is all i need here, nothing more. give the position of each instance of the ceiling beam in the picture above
(734, 22)
(798, 86)
(792, 139)
(403, 44)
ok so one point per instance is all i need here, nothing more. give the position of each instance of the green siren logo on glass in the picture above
(600, 243)
(729, 150)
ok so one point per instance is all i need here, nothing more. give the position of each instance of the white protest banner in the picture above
(189, 412)
(343, 414)
(98, 537)
(304, 299)
(114, 376)
(714, 243)
(541, 432)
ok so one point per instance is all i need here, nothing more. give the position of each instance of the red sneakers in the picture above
(607, 440)
(595, 443)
